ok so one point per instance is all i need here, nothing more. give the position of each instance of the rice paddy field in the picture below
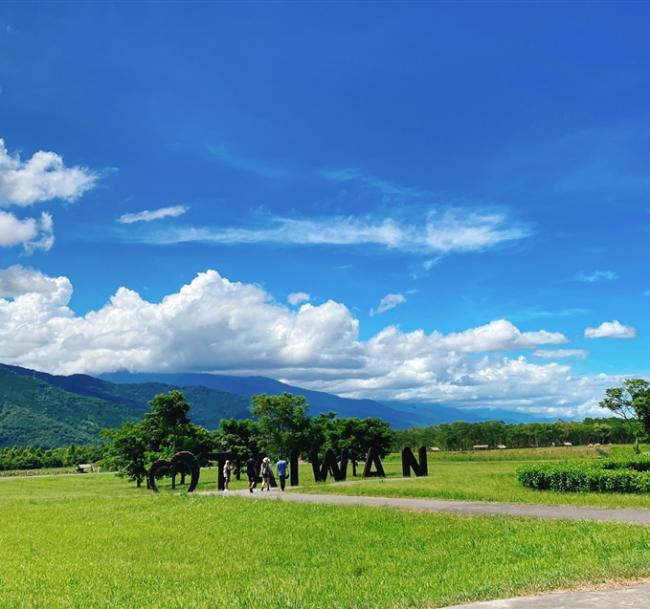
(95, 541)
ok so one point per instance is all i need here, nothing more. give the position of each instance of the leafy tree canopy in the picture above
(283, 423)
(240, 436)
(630, 401)
(165, 430)
(354, 434)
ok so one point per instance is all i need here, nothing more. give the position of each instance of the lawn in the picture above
(479, 476)
(94, 541)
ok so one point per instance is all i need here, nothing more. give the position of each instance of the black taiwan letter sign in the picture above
(182, 461)
(373, 458)
(330, 466)
(409, 463)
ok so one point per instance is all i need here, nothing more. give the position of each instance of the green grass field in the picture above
(479, 476)
(95, 541)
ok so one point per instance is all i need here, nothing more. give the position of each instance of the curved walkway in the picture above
(630, 597)
(568, 512)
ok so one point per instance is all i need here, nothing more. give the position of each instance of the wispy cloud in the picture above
(611, 329)
(602, 159)
(156, 214)
(439, 232)
(388, 302)
(561, 353)
(227, 157)
(596, 276)
(349, 175)
(537, 313)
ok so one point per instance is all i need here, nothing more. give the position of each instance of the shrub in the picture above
(639, 464)
(613, 476)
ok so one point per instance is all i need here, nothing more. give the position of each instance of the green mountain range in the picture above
(47, 410)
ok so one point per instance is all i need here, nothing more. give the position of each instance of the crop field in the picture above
(95, 541)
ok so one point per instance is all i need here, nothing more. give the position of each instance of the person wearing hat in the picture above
(267, 473)
(227, 471)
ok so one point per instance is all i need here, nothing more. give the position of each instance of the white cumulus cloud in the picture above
(499, 335)
(296, 298)
(611, 329)
(214, 324)
(40, 178)
(388, 302)
(31, 233)
(18, 280)
(156, 214)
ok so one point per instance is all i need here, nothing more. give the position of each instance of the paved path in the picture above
(568, 512)
(630, 597)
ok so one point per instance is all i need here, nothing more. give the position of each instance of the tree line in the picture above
(630, 402)
(280, 425)
(463, 436)
(34, 457)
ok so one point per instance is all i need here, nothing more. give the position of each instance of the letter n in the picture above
(409, 463)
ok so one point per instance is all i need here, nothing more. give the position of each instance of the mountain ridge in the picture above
(48, 410)
(399, 414)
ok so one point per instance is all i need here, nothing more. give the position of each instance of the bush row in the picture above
(605, 476)
(639, 464)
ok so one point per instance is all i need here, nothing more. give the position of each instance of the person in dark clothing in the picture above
(281, 468)
(251, 473)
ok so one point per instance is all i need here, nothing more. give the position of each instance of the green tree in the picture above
(239, 436)
(283, 423)
(358, 436)
(127, 450)
(165, 430)
(167, 421)
(631, 402)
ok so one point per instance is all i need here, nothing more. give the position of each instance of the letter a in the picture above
(373, 458)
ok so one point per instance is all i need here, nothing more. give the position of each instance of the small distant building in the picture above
(481, 446)
(434, 449)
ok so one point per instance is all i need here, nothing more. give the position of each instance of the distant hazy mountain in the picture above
(250, 385)
(398, 414)
(434, 414)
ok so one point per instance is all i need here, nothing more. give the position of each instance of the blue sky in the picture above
(437, 167)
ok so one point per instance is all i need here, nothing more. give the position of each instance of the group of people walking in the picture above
(265, 472)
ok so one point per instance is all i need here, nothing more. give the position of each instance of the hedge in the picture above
(614, 476)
